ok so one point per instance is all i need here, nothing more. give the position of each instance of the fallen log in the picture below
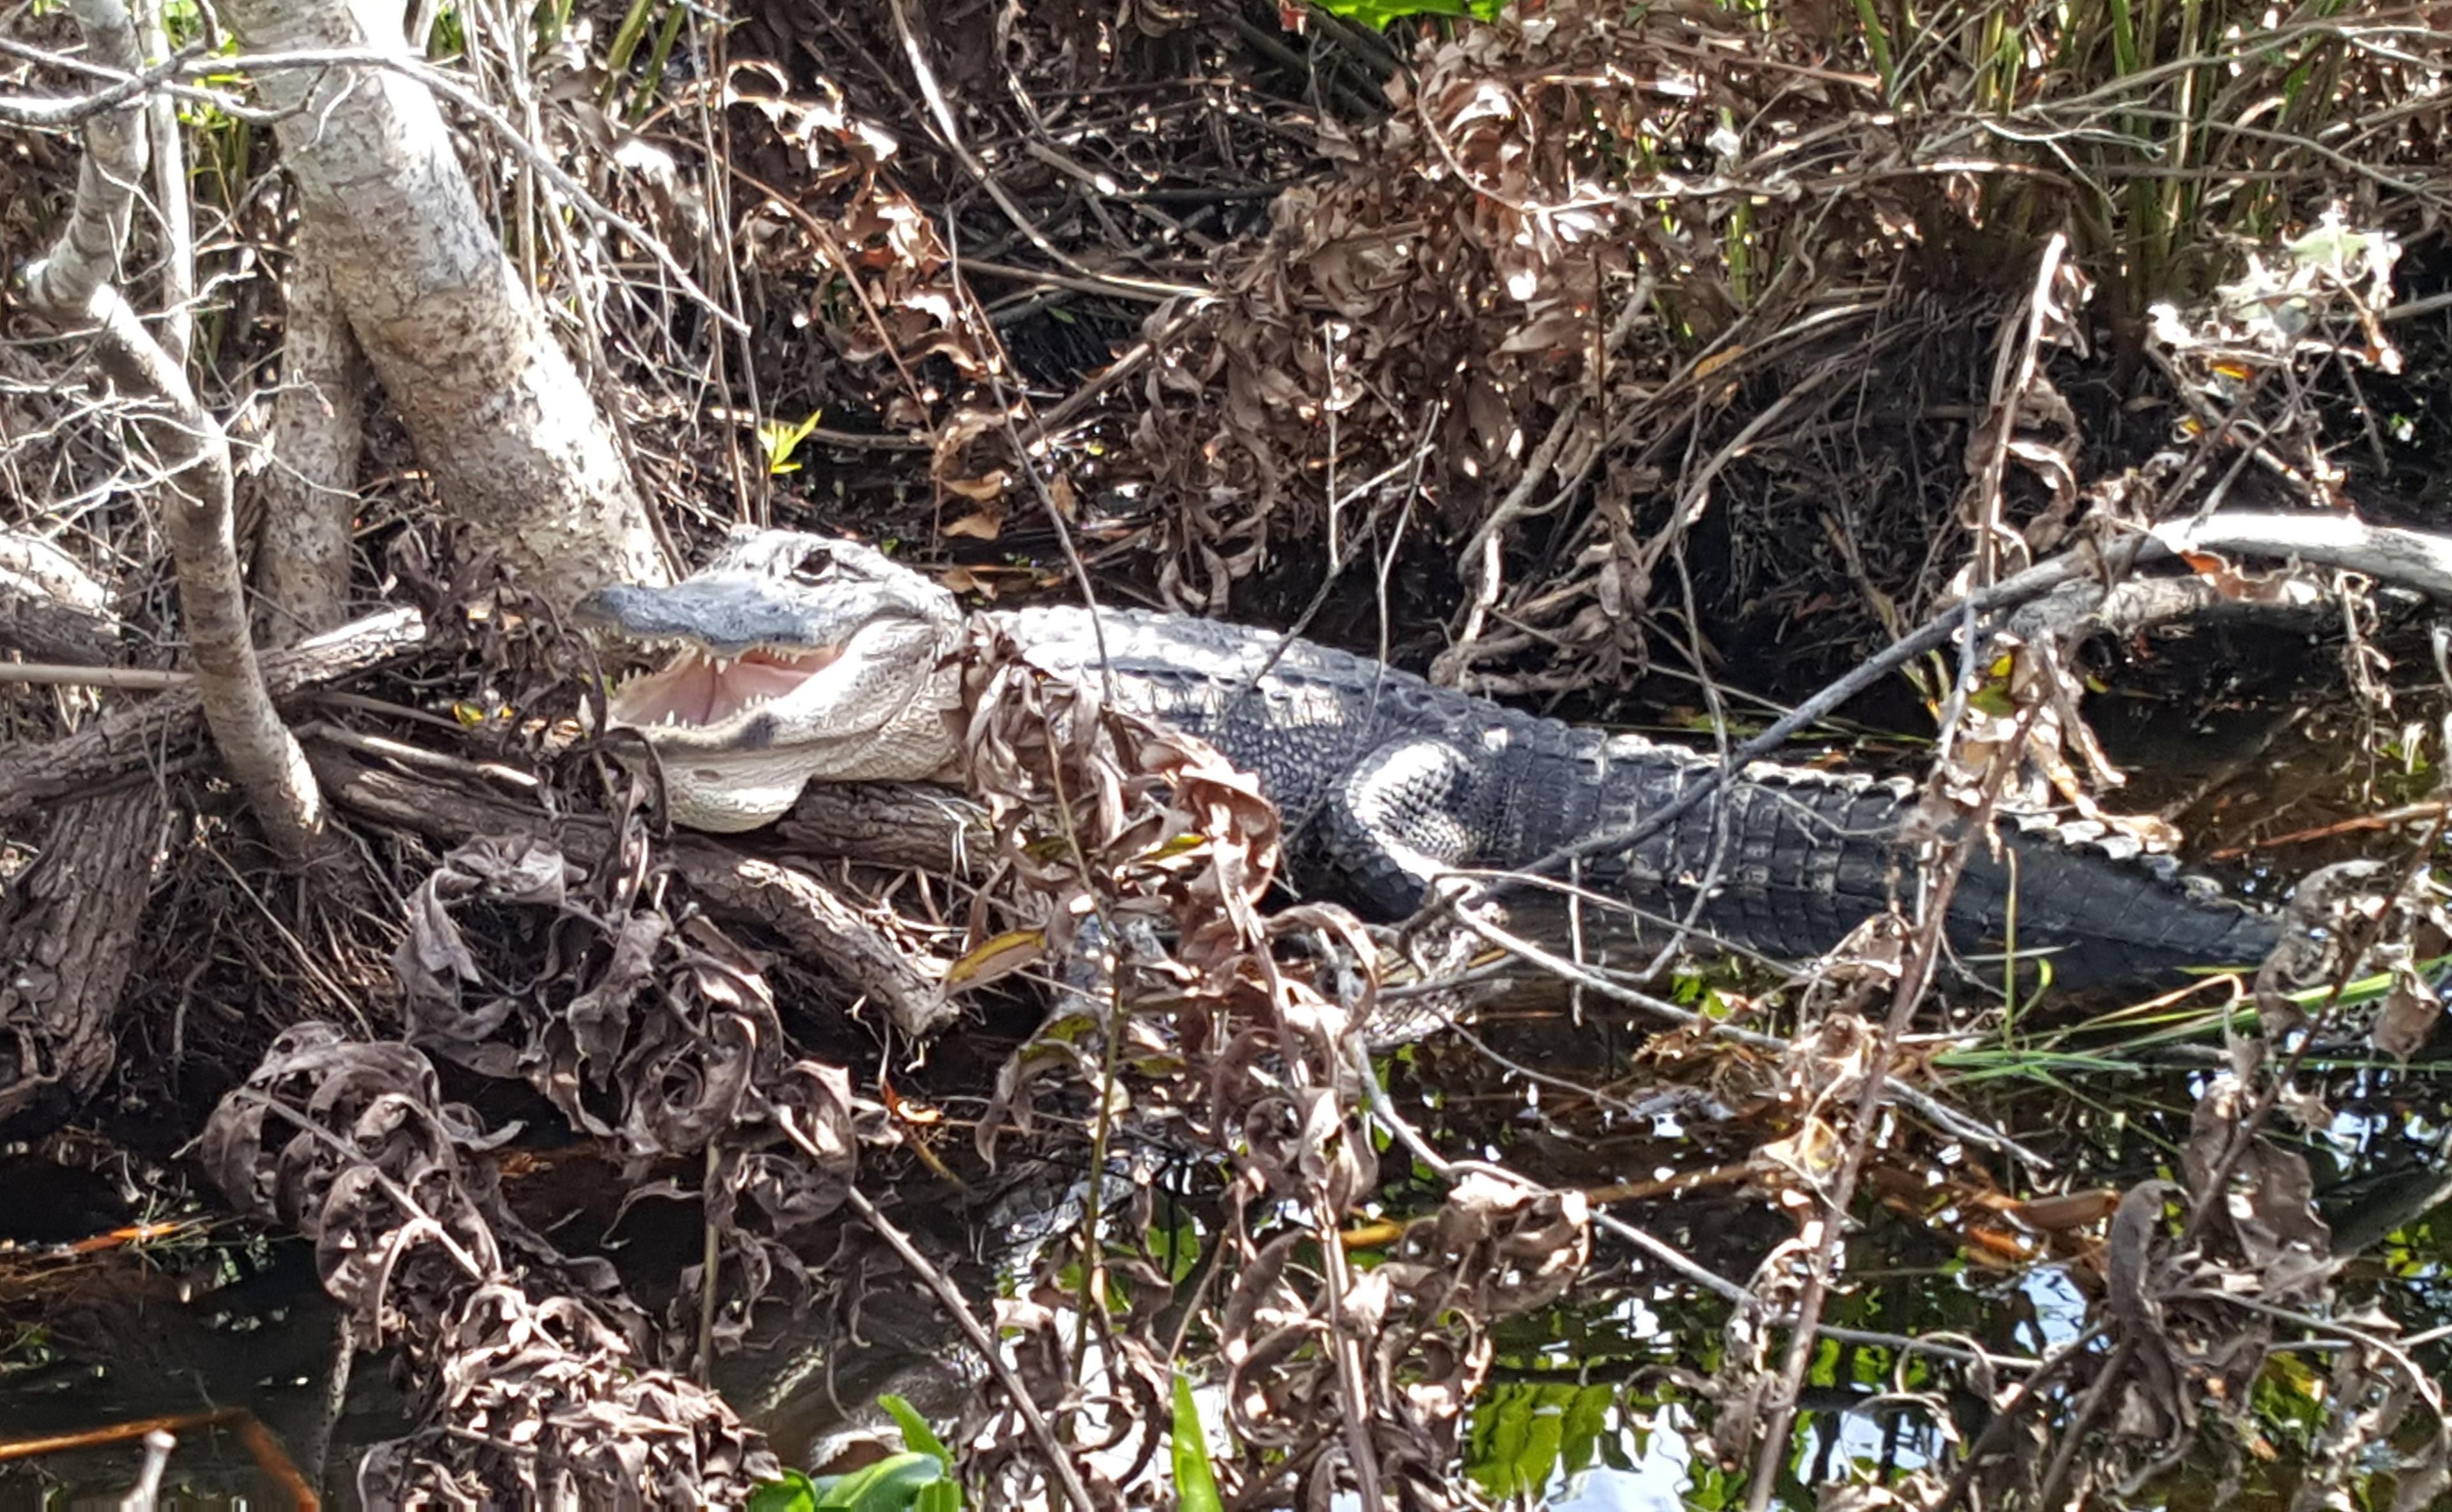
(50, 609)
(878, 824)
(2414, 558)
(128, 738)
(887, 824)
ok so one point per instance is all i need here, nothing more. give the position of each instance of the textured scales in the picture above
(1384, 780)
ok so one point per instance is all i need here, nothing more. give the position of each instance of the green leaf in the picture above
(1993, 700)
(1586, 1420)
(780, 438)
(915, 1432)
(793, 1493)
(892, 1484)
(1381, 13)
(1179, 1247)
(1522, 1435)
(1196, 1483)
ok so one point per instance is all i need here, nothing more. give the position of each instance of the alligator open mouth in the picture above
(698, 688)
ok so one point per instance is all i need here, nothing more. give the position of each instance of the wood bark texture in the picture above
(67, 937)
(309, 490)
(50, 609)
(2414, 559)
(197, 515)
(69, 927)
(129, 739)
(86, 255)
(71, 286)
(496, 408)
(818, 923)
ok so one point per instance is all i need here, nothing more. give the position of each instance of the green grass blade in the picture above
(915, 1432)
(1196, 1483)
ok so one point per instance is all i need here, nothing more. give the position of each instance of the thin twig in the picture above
(950, 132)
(1949, 1119)
(129, 81)
(54, 674)
(177, 328)
(1383, 1108)
(1059, 1461)
(127, 737)
(1922, 957)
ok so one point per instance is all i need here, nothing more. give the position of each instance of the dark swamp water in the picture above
(1601, 1400)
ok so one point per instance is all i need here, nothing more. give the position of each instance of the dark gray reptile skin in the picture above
(1382, 776)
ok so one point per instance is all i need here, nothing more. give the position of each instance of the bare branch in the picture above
(72, 288)
(821, 924)
(170, 198)
(131, 737)
(64, 281)
(48, 607)
(2413, 559)
(75, 110)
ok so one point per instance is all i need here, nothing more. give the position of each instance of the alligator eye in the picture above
(815, 567)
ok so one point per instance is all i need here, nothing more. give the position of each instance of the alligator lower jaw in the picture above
(700, 691)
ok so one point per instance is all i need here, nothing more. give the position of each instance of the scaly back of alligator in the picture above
(1796, 858)
(1384, 780)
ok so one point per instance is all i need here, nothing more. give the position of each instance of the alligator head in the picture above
(791, 656)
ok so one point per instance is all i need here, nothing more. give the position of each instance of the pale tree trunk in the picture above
(310, 489)
(498, 412)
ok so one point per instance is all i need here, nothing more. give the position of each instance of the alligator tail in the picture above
(1803, 857)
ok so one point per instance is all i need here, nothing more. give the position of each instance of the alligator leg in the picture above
(1404, 815)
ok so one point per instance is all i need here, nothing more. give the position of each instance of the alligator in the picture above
(794, 658)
